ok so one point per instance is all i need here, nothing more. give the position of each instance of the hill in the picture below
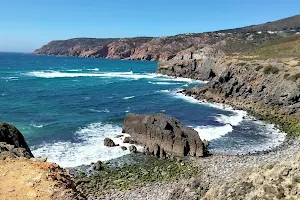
(165, 48)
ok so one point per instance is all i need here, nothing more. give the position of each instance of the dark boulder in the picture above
(164, 136)
(98, 166)
(123, 148)
(128, 140)
(132, 149)
(109, 142)
(11, 140)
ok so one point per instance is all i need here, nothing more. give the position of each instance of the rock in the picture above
(128, 140)
(163, 135)
(123, 148)
(132, 149)
(98, 166)
(13, 141)
(109, 142)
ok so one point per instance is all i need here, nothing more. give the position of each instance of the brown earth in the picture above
(24, 179)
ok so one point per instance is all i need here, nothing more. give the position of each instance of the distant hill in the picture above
(290, 23)
(244, 39)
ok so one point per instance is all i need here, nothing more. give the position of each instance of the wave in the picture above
(12, 78)
(129, 97)
(89, 148)
(129, 75)
(58, 74)
(162, 83)
(36, 126)
(95, 69)
(235, 119)
(74, 70)
(213, 132)
(99, 111)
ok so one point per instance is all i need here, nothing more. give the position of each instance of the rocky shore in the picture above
(244, 72)
(203, 178)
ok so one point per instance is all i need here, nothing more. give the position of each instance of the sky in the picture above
(26, 25)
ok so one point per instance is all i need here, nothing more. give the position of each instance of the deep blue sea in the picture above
(66, 106)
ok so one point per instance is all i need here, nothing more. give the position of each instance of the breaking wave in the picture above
(89, 148)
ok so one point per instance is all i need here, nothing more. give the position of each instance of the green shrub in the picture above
(270, 69)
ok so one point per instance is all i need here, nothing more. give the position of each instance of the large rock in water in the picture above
(12, 142)
(164, 136)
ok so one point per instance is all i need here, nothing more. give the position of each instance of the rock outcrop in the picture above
(266, 88)
(12, 142)
(201, 64)
(164, 136)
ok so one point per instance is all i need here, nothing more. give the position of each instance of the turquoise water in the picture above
(66, 106)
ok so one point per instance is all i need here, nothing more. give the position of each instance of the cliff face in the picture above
(141, 48)
(166, 48)
(265, 82)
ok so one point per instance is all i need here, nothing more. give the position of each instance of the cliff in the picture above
(166, 48)
(264, 81)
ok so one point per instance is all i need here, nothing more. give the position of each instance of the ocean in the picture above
(66, 106)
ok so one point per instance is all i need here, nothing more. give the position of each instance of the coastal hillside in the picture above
(290, 23)
(165, 48)
(264, 81)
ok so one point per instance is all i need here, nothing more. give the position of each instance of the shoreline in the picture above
(212, 170)
(216, 168)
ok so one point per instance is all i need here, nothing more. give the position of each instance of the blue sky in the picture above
(27, 24)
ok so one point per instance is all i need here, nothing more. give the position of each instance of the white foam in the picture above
(58, 74)
(12, 78)
(129, 75)
(100, 111)
(90, 147)
(129, 97)
(36, 126)
(162, 83)
(95, 69)
(234, 120)
(74, 70)
(213, 132)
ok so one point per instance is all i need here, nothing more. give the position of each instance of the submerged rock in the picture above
(12, 142)
(109, 142)
(164, 136)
